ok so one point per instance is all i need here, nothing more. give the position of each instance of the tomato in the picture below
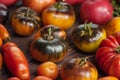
(78, 69)
(38, 5)
(41, 78)
(108, 78)
(15, 61)
(112, 26)
(96, 11)
(48, 69)
(3, 13)
(87, 37)
(13, 78)
(74, 2)
(25, 21)
(48, 47)
(56, 31)
(4, 34)
(108, 55)
(8, 2)
(1, 61)
(60, 14)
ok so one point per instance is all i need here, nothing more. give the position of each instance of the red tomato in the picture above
(13, 78)
(15, 61)
(74, 2)
(41, 78)
(38, 5)
(8, 2)
(108, 57)
(96, 11)
(49, 69)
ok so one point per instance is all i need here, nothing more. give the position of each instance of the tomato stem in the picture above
(48, 35)
(118, 49)
(81, 61)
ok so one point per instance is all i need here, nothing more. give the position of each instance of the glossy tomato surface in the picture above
(41, 78)
(107, 56)
(38, 5)
(48, 69)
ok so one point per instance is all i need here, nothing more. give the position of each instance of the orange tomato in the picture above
(4, 33)
(113, 26)
(108, 78)
(1, 42)
(41, 78)
(48, 69)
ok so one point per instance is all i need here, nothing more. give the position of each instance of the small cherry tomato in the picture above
(42, 78)
(60, 14)
(49, 69)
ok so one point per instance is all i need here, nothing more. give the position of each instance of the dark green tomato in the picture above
(48, 48)
(87, 37)
(25, 21)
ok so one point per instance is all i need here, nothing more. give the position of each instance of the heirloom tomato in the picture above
(56, 31)
(78, 69)
(42, 78)
(25, 21)
(88, 36)
(60, 14)
(48, 47)
(48, 69)
(108, 55)
(15, 61)
(38, 5)
(108, 78)
(112, 26)
(96, 11)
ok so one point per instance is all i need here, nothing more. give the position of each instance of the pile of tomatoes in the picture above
(93, 29)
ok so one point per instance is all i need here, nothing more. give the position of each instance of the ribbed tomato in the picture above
(108, 55)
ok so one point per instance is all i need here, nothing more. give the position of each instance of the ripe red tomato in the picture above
(108, 57)
(41, 78)
(74, 2)
(8, 2)
(38, 5)
(96, 11)
(48, 69)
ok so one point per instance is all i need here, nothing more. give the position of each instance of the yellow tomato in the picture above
(108, 78)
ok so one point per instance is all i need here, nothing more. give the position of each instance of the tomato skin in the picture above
(25, 21)
(13, 78)
(38, 5)
(48, 69)
(93, 10)
(1, 61)
(8, 2)
(88, 41)
(60, 17)
(4, 33)
(42, 78)
(74, 2)
(108, 78)
(76, 69)
(108, 55)
(15, 61)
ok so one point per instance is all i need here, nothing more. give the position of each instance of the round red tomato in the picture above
(8, 2)
(41, 78)
(38, 5)
(48, 69)
(108, 57)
